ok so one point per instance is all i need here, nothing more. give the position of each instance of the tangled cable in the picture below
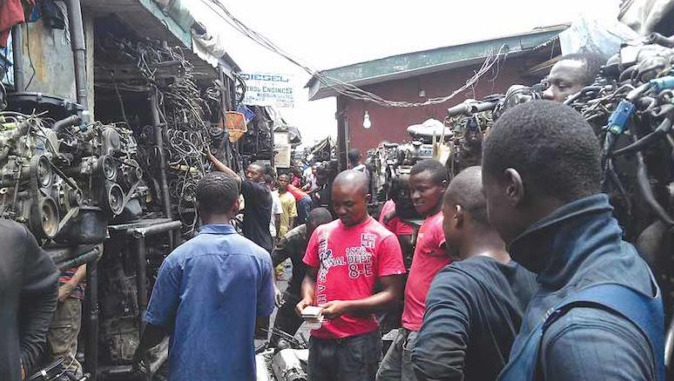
(186, 113)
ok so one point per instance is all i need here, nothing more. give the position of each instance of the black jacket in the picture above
(28, 296)
(578, 246)
(473, 312)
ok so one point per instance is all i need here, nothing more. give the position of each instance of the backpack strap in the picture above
(645, 312)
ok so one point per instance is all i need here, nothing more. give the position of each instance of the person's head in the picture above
(283, 181)
(322, 175)
(354, 157)
(349, 197)
(570, 74)
(217, 197)
(538, 156)
(255, 172)
(428, 182)
(464, 209)
(316, 218)
(400, 194)
(269, 181)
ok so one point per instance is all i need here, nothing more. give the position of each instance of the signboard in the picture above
(264, 89)
(282, 150)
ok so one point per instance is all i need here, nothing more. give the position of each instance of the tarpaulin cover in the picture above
(208, 41)
(646, 16)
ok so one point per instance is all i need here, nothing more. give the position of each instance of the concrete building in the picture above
(418, 76)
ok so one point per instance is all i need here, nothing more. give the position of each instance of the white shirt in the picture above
(276, 209)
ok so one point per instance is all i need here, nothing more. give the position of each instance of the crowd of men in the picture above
(518, 271)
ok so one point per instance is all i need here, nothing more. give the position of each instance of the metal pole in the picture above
(91, 255)
(341, 132)
(17, 52)
(141, 278)
(159, 138)
(91, 313)
(154, 229)
(79, 50)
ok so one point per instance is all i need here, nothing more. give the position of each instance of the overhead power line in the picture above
(493, 57)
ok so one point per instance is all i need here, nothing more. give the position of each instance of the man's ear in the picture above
(459, 216)
(514, 187)
(236, 207)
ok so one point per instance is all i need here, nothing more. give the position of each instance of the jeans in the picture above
(397, 363)
(63, 331)
(352, 358)
(303, 209)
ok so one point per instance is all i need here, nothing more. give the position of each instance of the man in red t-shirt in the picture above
(302, 199)
(428, 182)
(346, 258)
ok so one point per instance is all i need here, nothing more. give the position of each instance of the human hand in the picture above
(139, 362)
(64, 291)
(278, 297)
(302, 304)
(389, 216)
(335, 308)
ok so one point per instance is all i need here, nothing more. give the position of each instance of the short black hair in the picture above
(268, 179)
(438, 171)
(465, 190)
(552, 147)
(319, 216)
(593, 63)
(353, 155)
(216, 193)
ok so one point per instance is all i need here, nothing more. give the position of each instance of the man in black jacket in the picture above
(475, 305)
(293, 245)
(258, 202)
(541, 172)
(28, 295)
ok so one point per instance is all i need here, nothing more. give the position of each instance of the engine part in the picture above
(48, 171)
(287, 365)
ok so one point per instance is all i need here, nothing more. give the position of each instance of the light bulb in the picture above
(366, 121)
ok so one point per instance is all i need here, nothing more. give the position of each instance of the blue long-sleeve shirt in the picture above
(208, 294)
(576, 246)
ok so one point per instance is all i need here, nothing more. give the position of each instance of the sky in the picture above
(328, 34)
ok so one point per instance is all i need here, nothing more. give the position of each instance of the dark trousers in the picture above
(303, 209)
(349, 359)
(287, 319)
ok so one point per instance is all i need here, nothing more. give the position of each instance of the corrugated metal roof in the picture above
(428, 61)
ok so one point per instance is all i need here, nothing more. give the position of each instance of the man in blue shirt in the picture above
(209, 293)
(541, 174)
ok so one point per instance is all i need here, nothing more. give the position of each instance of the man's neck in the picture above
(222, 219)
(484, 241)
(367, 216)
(435, 210)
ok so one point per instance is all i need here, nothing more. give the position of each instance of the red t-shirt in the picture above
(395, 225)
(429, 258)
(349, 261)
(296, 192)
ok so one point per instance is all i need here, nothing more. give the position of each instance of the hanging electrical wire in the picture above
(493, 57)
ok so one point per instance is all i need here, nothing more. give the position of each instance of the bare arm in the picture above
(390, 293)
(67, 288)
(151, 337)
(220, 166)
(277, 220)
